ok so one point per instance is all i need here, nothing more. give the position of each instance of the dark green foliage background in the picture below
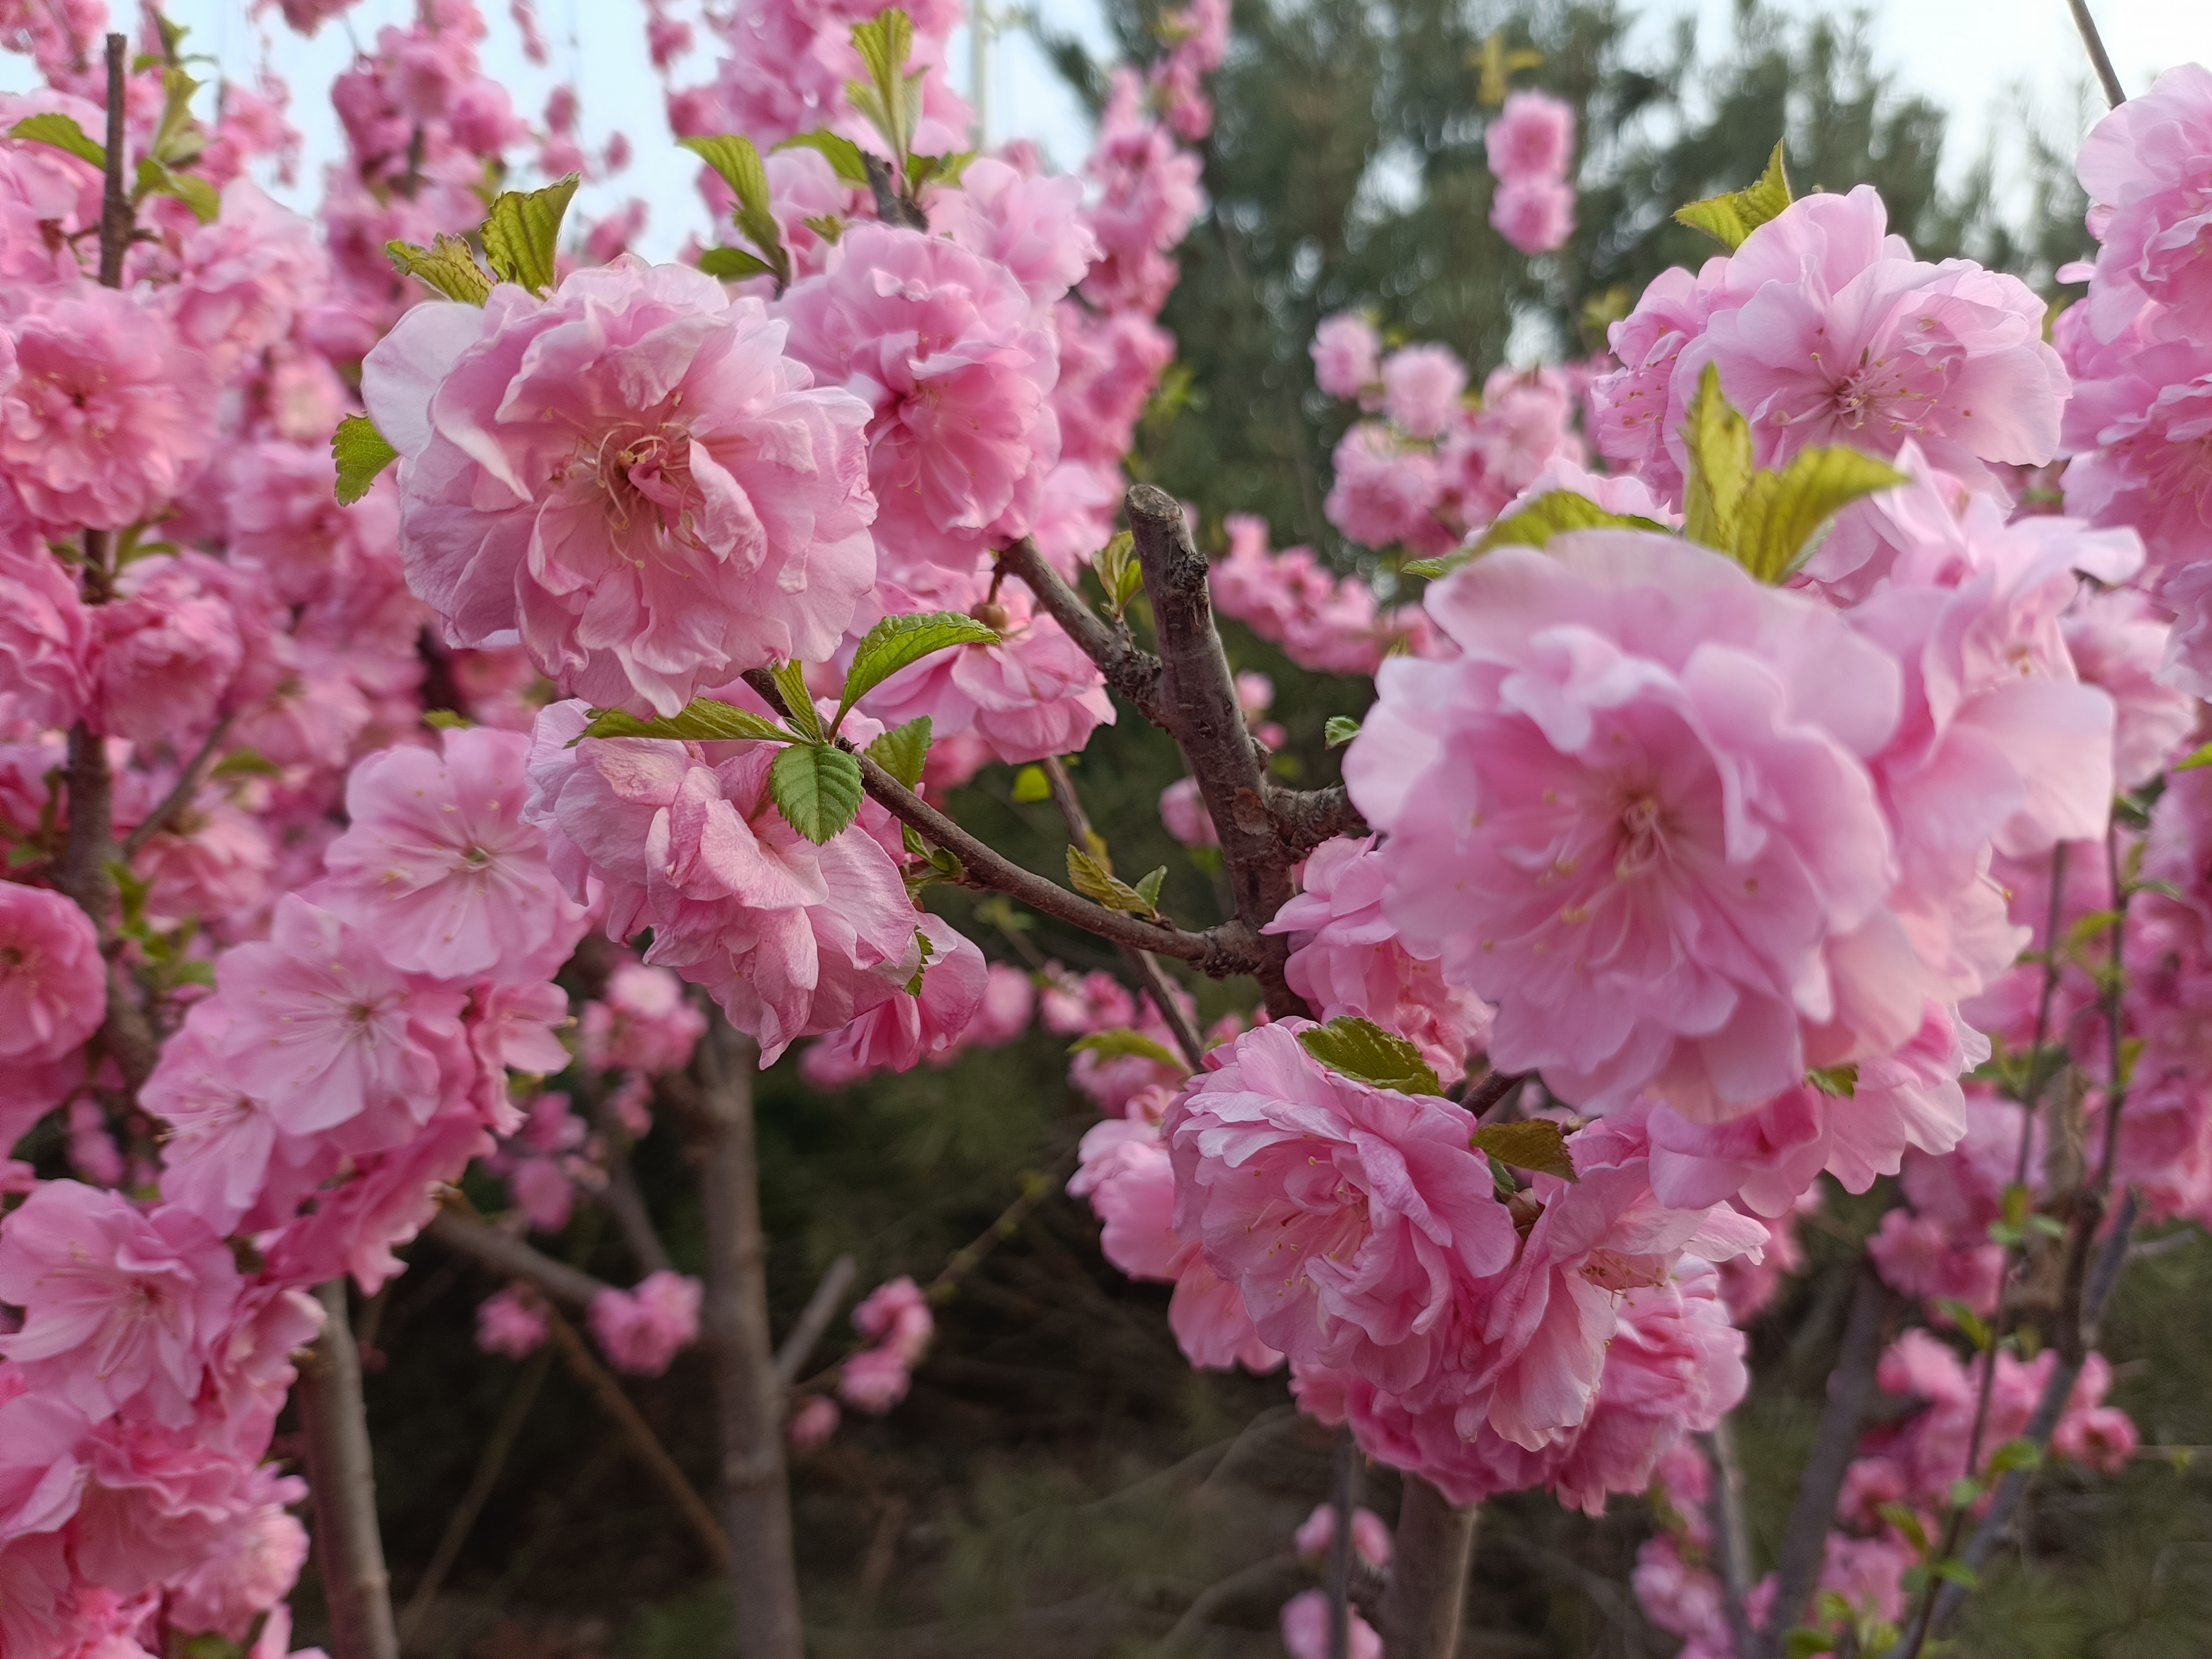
(1059, 1483)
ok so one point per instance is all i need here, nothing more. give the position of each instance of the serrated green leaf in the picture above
(1031, 785)
(903, 751)
(1340, 730)
(733, 265)
(791, 680)
(1364, 1052)
(132, 894)
(1969, 1323)
(700, 721)
(1096, 882)
(196, 193)
(1536, 1144)
(62, 132)
(1120, 576)
(1719, 444)
(817, 789)
(740, 165)
(523, 232)
(1841, 1082)
(897, 642)
(360, 454)
(448, 264)
(842, 154)
(1122, 1043)
(1833, 1607)
(890, 100)
(828, 226)
(1554, 511)
(173, 138)
(1778, 525)
(937, 169)
(1730, 218)
(1148, 887)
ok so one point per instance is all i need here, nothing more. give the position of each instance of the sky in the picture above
(1989, 62)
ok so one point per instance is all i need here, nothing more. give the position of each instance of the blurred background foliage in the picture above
(1059, 1483)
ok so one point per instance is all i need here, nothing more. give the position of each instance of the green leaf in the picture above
(1964, 1491)
(1122, 1043)
(1778, 525)
(937, 169)
(2197, 758)
(791, 680)
(1365, 1053)
(897, 642)
(1092, 878)
(175, 138)
(1806, 1641)
(1959, 1573)
(1841, 1082)
(700, 721)
(740, 165)
(1341, 730)
(1966, 1320)
(448, 264)
(360, 452)
(1906, 1522)
(902, 750)
(890, 100)
(817, 789)
(1554, 511)
(1432, 568)
(2018, 1453)
(1148, 887)
(196, 193)
(62, 132)
(844, 156)
(2015, 1204)
(1730, 218)
(1120, 576)
(733, 265)
(828, 226)
(1719, 444)
(132, 894)
(1536, 1144)
(1031, 785)
(245, 763)
(446, 719)
(524, 231)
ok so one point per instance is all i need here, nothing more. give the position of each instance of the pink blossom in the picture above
(168, 648)
(642, 1330)
(1385, 494)
(1031, 225)
(943, 349)
(439, 866)
(2117, 640)
(1634, 817)
(1184, 816)
(632, 473)
(1421, 386)
(52, 979)
(2143, 166)
(45, 640)
(874, 1380)
(1532, 137)
(118, 1305)
(1631, 408)
(1348, 1216)
(327, 1032)
(245, 275)
(645, 1023)
(1371, 1537)
(40, 1477)
(812, 1422)
(253, 1565)
(103, 417)
(1306, 1626)
(224, 1156)
(899, 1033)
(1535, 216)
(897, 1315)
(1347, 958)
(1347, 354)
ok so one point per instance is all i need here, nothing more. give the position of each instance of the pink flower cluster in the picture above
(1531, 146)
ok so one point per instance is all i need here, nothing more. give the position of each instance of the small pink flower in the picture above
(1346, 355)
(644, 1024)
(1371, 1537)
(1535, 215)
(1532, 137)
(45, 640)
(1421, 387)
(1305, 1626)
(52, 979)
(2143, 166)
(168, 648)
(1184, 815)
(506, 1324)
(874, 1380)
(642, 1330)
(813, 1422)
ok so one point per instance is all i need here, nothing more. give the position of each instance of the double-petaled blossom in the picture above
(54, 981)
(168, 648)
(643, 1024)
(1346, 355)
(2143, 167)
(1530, 145)
(46, 641)
(632, 473)
(643, 1330)
(1632, 815)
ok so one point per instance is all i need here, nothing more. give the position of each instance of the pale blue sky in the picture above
(1987, 61)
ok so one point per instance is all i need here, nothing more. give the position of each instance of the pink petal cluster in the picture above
(1347, 356)
(633, 474)
(643, 1025)
(642, 1330)
(894, 1318)
(53, 980)
(1530, 144)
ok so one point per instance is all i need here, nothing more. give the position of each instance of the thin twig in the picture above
(576, 1354)
(1130, 671)
(1493, 1089)
(1343, 1488)
(1228, 1590)
(1731, 1537)
(1144, 964)
(2099, 59)
(621, 1197)
(181, 794)
(814, 1319)
(963, 1260)
(511, 1258)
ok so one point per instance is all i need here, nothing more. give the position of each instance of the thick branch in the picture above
(1130, 671)
(813, 1321)
(342, 1482)
(510, 1258)
(115, 216)
(1303, 819)
(1420, 1610)
(1197, 696)
(1850, 1386)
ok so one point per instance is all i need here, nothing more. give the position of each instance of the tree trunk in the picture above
(349, 1552)
(1428, 1575)
(756, 1497)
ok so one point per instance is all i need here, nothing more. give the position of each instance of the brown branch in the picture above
(749, 1396)
(1198, 697)
(2099, 59)
(115, 216)
(1731, 1535)
(608, 1393)
(1144, 964)
(1420, 1611)
(1851, 1387)
(798, 1343)
(1130, 671)
(342, 1482)
(510, 1258)
(1305, 819)
(180, 795)
(1493, 1090)
(621, 1195)
(1343, 1494)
